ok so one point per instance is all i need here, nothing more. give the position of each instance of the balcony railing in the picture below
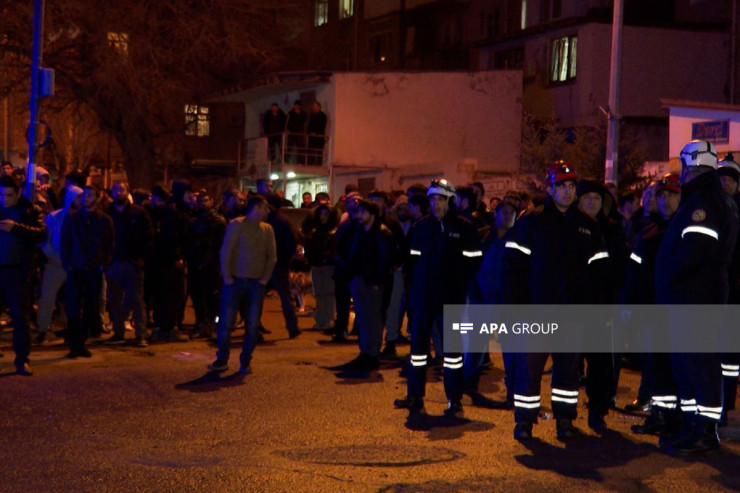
(271, 153)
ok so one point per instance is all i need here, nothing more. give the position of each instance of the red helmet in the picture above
(561, 171)
(669, 182)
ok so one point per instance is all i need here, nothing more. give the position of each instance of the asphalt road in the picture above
(131, 419)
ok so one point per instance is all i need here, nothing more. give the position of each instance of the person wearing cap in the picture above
(729, 174)
(447, 254)
(547, 262)
(692, 268)
(657, 384)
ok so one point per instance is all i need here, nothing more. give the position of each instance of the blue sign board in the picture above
(717, 132)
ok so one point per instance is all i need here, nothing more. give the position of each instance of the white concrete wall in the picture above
(680, 128)
(429, 120)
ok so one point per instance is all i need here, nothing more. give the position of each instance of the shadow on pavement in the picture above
(444, 427)
(211, 382)
(584, 456)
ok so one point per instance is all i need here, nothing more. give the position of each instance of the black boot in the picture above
(702, 441)
(680, 428)
(523, 430)
(565, 429)
(655, 424)
(410, 402)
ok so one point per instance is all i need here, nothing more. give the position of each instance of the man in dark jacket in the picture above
(167, 265)
(21, 229)
(693, 268)
(447, 252)
(729, 174)
(86, 248)
(370, 265)
(125, 275)
(204, 278)
(316, 130)
(273, 126)
(547, 262)
(342, 273)
(296, 127)
(286, 243)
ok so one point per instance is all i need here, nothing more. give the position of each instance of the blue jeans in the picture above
(244, 296)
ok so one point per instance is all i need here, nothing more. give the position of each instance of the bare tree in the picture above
(546, 141)
(136, 63)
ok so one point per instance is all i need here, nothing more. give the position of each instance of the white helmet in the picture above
(441, 187)
(698, 153)
(729, 162)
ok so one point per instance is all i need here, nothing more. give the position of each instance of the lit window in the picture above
(346, 8)
(563, 59)
(197, 121)
(119, 41)
(524, 14)
(322, 12)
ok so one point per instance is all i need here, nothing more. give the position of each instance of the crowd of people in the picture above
(393, 257)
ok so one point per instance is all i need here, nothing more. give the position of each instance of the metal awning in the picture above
(273, 84)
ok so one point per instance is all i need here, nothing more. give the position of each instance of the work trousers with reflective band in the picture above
(699, 380)
(527, 397)
(730, 372)
(421, 332)
(663, 389)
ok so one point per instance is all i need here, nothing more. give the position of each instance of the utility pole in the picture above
(6, 128)
(38, 28)
(612, 137)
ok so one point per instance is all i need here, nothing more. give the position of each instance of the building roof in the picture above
(278, 83)
(702, 105)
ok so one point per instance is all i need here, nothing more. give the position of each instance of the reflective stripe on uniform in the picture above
(701, 230)
(517, 246)
(453, 363)
(688, 406)
(414, 252)
(567, 393)
(665, 401)
(472, 253)
(598, 256)
(730, 370)
(636, 258)
(566, 396)
(418, 360)
(710, 412)
(527, 401)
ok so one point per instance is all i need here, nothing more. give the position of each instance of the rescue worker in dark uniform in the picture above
(547, 263)
(692, 268)
(447, 253)
(601, 288)
(729, 174)
(639, 289)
